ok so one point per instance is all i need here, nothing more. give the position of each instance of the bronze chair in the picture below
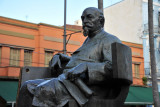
(119, 84)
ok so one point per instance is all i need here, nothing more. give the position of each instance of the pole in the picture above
(64, 36)
(152, 55)
(100, 5)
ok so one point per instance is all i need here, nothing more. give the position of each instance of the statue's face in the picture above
(90, 20)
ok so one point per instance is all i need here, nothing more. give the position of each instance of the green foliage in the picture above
(144, 79)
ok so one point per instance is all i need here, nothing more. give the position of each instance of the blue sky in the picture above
(47, 11)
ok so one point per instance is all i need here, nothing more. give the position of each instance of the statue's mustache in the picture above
(87, 25)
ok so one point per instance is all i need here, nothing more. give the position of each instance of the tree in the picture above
(152, 55)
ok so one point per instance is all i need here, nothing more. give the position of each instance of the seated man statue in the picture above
(85, 72)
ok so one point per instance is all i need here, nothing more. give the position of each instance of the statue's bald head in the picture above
(92, 20)
(97, 12)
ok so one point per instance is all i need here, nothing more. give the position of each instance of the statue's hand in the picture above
(75, 72)
(55, 62)
(44, 88)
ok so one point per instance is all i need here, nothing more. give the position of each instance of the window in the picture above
(136, 70)
(14, 57)
(48, 56)
(27, 58)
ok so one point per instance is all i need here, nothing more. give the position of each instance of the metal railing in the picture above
(148, 72)
(156, 28)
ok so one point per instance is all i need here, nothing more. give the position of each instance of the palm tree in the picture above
(152, 55)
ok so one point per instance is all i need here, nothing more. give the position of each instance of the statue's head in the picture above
(92, 20)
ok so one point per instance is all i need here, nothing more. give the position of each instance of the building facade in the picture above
(128, 20)
(145, 37)
(28, 44)
(132, 15)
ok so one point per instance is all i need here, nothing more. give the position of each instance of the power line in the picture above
(39, 63)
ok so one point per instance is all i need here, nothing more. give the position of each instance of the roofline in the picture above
(132, 43)
(17, 24)
(32, 27)
(114, 4)
(18, 20)
(59, 27)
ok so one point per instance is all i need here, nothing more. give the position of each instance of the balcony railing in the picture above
(156, 28)
(148, 72)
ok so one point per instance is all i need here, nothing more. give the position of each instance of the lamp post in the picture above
(100, 5)
(64, 36)
(152, 55)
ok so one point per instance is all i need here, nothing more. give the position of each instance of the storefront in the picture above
(139, 97)
(8, 91)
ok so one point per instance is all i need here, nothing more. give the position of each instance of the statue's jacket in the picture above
(96, 54)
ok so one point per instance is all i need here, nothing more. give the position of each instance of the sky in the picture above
(48, 11)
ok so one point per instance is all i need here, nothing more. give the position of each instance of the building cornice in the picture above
(59, 27)
(16, 46)
(34, 27)
(134, 45)
(17, 24)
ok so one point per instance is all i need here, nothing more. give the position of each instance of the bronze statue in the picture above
(85, 71)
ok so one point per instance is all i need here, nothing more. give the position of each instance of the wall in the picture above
(137, 58)
(156, 7)
(156, 10)
(124, 19)
(36, 37)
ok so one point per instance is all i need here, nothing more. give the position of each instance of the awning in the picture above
(139, 96)
(136, 96)
(8, 90)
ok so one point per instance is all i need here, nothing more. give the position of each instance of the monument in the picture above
(97, 72)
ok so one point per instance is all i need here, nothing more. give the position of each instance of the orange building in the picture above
(28, 44)
(137, 62)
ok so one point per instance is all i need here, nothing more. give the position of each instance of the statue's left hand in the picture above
(75, 72)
